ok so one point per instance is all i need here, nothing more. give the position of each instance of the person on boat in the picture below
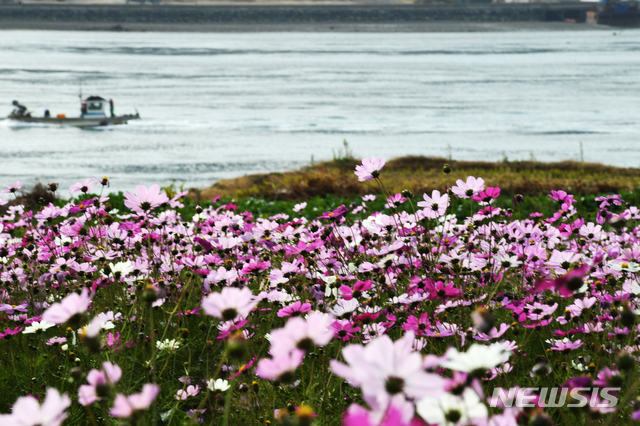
(47, 114)
(111, 107)
(19, 110)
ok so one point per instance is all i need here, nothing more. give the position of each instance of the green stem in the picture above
(227, 403)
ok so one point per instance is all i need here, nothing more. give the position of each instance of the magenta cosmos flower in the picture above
(435, 205)
(567, 284)
(230, 303)
(125, 406)
(145, 199)
(399, 413)
(370, 169)
(72, 305)
(296, 309)
(358, 289)
(487, 196)
(27, 412)
(336, 214)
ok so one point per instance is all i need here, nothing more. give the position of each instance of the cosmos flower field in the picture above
(411, 316)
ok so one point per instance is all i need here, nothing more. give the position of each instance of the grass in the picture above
(423, 174)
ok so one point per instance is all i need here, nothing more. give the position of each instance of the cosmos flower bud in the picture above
(407, 194)
(103, 390)
(53, 186)
(237, 345)
(627, 317)
(446, 168)
(517, 199)
(76, 373)
(305, 415)
(92, 343)
(108, 219)
(482, 320)
(149, 295)
(625, 361)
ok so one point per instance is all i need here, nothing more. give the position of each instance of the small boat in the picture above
(615, 13)
(92, 114)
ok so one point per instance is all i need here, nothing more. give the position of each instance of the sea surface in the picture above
(222, 105)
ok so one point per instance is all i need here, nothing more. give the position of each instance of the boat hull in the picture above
(78, 122)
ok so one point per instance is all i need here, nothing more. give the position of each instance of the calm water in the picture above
(223, 105)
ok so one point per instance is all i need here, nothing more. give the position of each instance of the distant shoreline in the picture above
(291, 18)
(431, 27)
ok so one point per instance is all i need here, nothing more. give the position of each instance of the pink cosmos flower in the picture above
(56, 341)
(124, 406)
(436, 205)
(28, 412)
(191, 391)
(302, 334)
(73, 304)
(384, 368)
(296, 309)
(299, 207)
(469, 188)
(562, 261)
(145, 199)
(566, 347)
(12, 188)
(494, 333)
(282, 367)
(370, 169)
(539, 311)
(10, 309)
(399, 413)
(255, 266)
(395, 201)
(83, 186)
(87, 394)
(230, 303)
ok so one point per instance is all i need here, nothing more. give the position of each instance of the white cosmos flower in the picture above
(169, 345)
(218, 384)
(448, 410)
(329, 290)
(124, 268)
(625, 266)
(477, 357)
(36, 327)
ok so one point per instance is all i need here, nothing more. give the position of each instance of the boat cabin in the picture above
(94, 106)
